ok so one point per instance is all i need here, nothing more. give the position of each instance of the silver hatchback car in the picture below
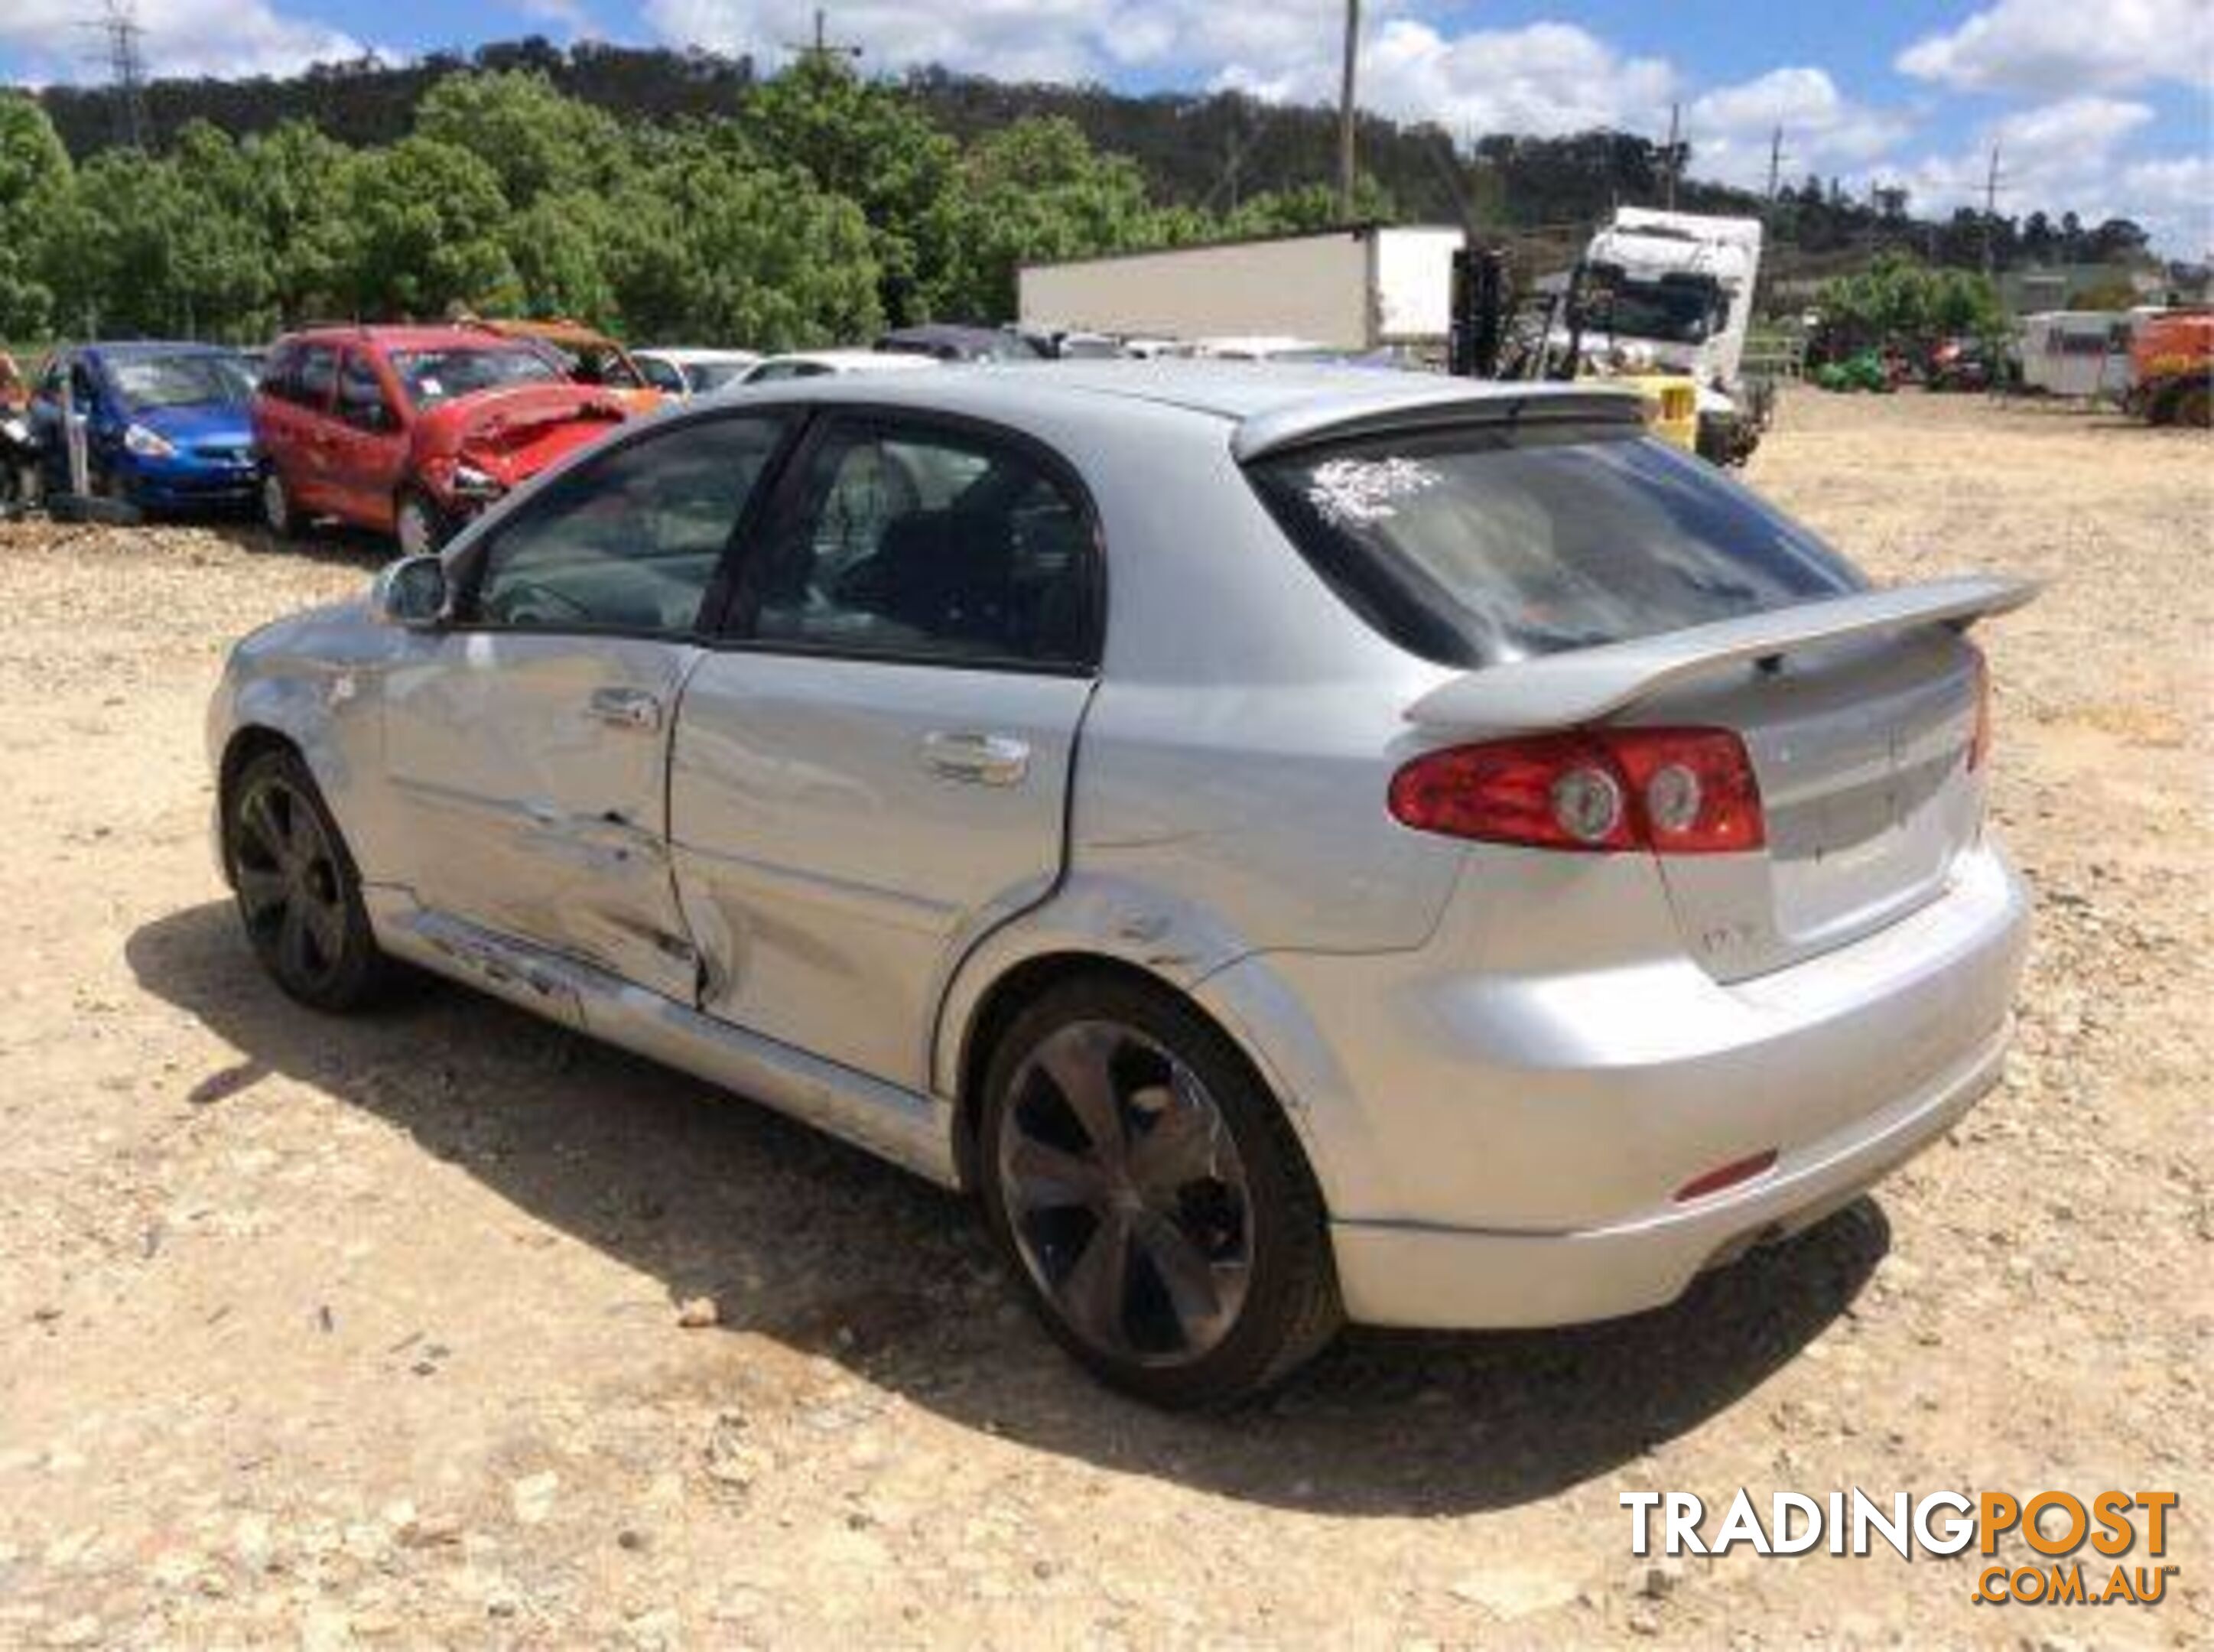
(1299, 844)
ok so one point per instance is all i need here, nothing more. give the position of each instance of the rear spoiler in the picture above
(1583, 685)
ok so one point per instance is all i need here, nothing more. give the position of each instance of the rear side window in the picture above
(919, 543)
(1482, 546)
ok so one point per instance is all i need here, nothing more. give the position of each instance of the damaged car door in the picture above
(527, 741)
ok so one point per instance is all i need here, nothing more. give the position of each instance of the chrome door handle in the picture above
(983, 759)
(625, 708)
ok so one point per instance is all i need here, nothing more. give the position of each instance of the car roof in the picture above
(947, 333)
(407, 335)
(684, 353)
(551, 332)
(126, 349)
(856, 361)
(1266, 406)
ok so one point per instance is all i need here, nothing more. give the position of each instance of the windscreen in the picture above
(180, 380)
(430, 376)
(1674, 312)
(1477, 547)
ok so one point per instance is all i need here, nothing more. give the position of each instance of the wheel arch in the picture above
(247, 743)
(1026, 980)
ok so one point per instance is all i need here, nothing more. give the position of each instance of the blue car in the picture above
(168, 427)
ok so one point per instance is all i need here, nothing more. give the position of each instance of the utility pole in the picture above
(823, 51)
(1675, 111)
(1345, 111)
(1991, 204)
(126, 69)
(1775, 164)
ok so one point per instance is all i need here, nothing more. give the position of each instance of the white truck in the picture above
(1363, 288)
(1675, 289)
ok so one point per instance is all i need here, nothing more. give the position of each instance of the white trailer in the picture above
(1356, 289)
(2076, 352)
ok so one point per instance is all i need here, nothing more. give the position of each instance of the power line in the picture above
(126, 69)
(822, 50)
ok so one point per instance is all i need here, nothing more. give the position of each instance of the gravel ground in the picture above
(337, 1333)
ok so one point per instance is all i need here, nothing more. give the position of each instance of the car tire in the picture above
(278, 514)
(297, 891)
(418, 524)
(1175, 1244)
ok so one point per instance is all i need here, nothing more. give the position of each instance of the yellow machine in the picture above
(1672, 405)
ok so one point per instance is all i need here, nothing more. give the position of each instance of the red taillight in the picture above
(1600, 791)
(1979, 743)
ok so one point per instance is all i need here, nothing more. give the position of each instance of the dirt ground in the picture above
(324, 1332)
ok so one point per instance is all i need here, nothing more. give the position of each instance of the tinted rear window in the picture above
(1480, 546)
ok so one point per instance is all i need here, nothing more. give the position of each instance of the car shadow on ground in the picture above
(324, 541)
(832, 1253)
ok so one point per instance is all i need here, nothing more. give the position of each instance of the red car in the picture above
(411, 431)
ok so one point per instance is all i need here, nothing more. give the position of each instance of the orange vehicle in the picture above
(584, 356)
(2172, 369)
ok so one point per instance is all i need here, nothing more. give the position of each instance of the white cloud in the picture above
(2049, 47)
(1547, 78)
(1014, 40)
(182, 37)
(1730, 128)
(2070, 156)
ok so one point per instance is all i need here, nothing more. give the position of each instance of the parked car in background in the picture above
(584, 355)
(1958, 364)
(683, 373)
(1299, 844)
(411, 431)
(1263, 349)
(951, 343)
(818, 364)
(167, 424)
(19, 446)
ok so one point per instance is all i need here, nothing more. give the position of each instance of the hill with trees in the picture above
(684, 195)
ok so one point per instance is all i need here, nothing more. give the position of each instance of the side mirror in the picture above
(411, 592)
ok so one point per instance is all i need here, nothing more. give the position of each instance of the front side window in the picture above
(914, 542)
(361, 395)
(630, 541)
(1482, 545)
(318, 367)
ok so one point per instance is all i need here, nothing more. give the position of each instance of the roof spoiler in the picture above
(1586, 684)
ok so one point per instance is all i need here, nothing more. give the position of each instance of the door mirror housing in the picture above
(411, 592)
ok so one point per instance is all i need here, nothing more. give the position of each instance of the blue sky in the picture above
(2100, 107)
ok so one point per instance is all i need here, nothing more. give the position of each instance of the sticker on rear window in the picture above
(1360, 492)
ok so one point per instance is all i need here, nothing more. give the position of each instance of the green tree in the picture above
(1296, 212)
(708, 246)
(300, 186)
(870, 143)
(35, 184)
(1038, 191)
(426, 222)
(537, 141)
(559, 246)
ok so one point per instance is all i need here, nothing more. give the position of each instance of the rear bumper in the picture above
(1454, 1278)
(1500, 1140)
